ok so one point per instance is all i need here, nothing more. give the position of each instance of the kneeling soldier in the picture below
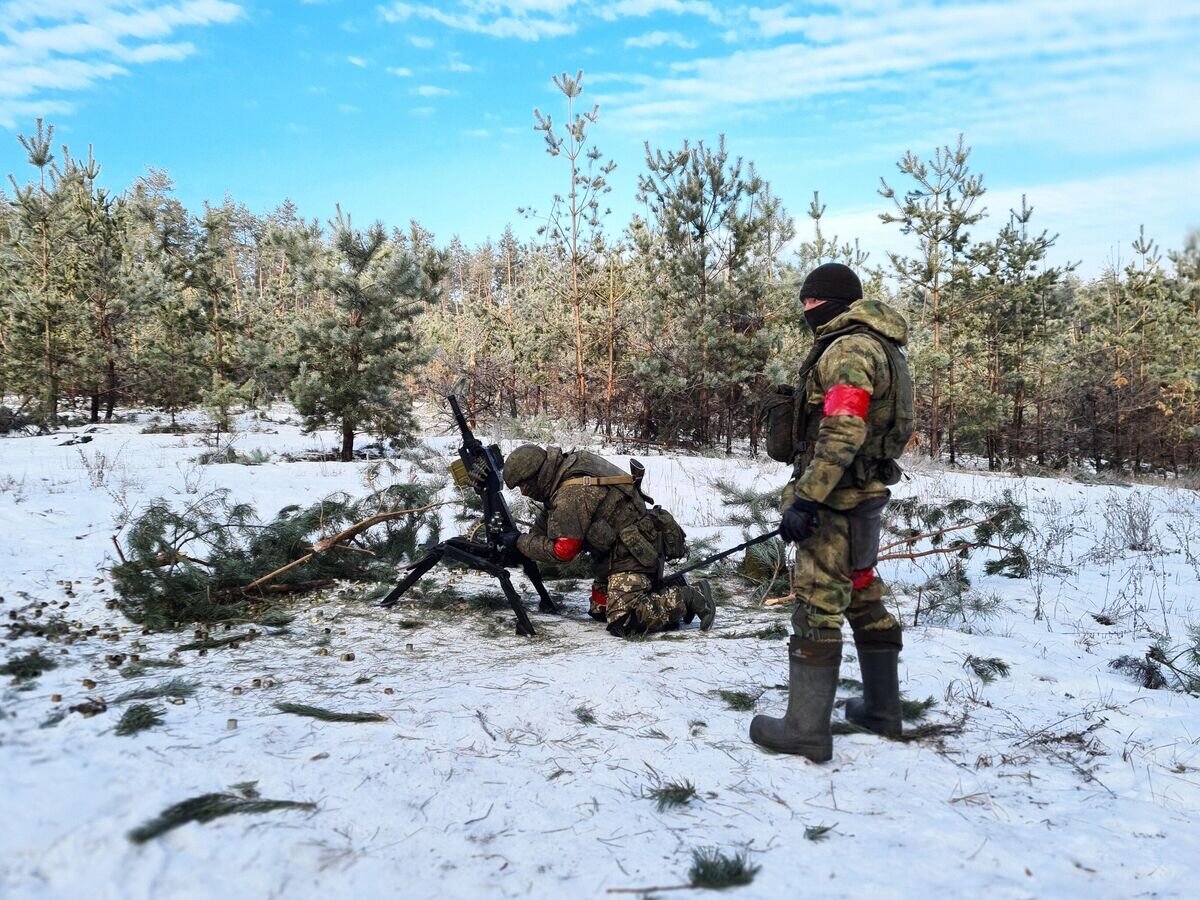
(594, 507)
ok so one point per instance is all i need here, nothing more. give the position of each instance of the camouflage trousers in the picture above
(835, 578)
(633, 608)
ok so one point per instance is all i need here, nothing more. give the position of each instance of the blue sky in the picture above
(422, 110)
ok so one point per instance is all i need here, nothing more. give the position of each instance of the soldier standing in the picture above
(842, 428)
(594, 507)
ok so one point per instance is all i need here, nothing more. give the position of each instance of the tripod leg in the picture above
(545, 604)
(524, 626)
(418, 569)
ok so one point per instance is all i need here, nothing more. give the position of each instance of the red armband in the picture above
(567, 549)
(847, 400)
(861, 578)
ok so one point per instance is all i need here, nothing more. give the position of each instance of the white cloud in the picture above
(534, 20)
(477, 133)
(522, 21)
(71, 45)
(357, 61)
(660, 39)
(988, 65)
(421, 43)
(457, 65)
(423, 110)
(430, 90)
(1096, 218)
(399, 71)
(348, 108)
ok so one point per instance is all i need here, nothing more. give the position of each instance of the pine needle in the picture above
(914, 710)
(741, 701)
(584, 714)
(176, 687)
(205, 808)
(671, 794)
(31, 665)
(328, 715)
(214, 643)
(713, 869)
(133, 670)
(987, 670)
(137, 718)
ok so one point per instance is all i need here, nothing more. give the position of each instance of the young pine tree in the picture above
(355, 354)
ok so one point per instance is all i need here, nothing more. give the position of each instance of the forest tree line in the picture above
(667, 329)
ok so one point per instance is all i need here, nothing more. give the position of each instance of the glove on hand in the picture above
(800, 520)
(508, 549)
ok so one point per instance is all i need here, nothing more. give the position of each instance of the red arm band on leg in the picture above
(861, 578)
(599, 598)
(567, 549)
(847, 400)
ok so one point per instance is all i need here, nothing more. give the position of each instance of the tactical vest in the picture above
(622, 516)
(792, 426)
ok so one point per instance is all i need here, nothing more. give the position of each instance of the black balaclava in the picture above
(834, 283)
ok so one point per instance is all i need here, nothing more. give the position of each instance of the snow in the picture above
(1068, 778)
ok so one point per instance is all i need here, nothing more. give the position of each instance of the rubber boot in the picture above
(699, 602)
(812, 685)
(879, 708)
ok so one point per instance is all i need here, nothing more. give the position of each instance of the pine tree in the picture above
(355, 354)
(708, 249)
(573, 223)
(1013, 306)
(938, 209)
(44, 227)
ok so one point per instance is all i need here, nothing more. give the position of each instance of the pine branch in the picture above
(344, 535)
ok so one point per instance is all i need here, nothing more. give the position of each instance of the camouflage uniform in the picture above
(609, 522)
(834, 575)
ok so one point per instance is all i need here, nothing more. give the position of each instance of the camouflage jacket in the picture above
(840, 394)
(584, 518)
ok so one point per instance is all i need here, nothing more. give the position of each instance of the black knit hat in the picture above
(832, 281)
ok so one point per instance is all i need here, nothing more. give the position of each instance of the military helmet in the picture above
(523, 464)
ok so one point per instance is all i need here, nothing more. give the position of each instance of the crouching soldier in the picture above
(593, 507)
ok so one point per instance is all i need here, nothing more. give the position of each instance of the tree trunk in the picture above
(347, 440)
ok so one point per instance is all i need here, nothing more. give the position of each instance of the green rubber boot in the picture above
(879, 708)
(699, 602)
(804, 728)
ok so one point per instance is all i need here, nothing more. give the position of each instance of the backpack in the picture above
(785, 415)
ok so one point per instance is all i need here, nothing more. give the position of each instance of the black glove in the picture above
(508, 549)
(800, 520)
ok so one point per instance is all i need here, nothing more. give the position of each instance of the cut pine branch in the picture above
(342, 536)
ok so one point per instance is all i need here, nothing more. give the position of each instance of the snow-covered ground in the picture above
(1067, 778)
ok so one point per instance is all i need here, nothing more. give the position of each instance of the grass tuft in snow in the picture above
(137, 718)
(328, 715)
(818, 832)
(713, 869)
(584, 714)
(986, 669)
(28, 667)
(176, 687)
(670, 794)
(742, 701)
(205, 808)
(914, 710)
